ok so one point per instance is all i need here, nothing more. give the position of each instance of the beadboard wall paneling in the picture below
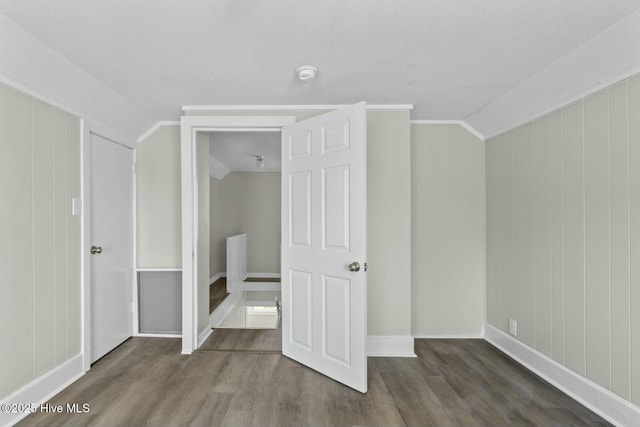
(563, 229)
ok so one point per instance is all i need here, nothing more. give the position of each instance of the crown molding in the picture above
(155, 127)
(461, 123)
(390, 107)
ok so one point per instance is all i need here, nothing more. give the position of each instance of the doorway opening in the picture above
(244, 188)
(323, 196)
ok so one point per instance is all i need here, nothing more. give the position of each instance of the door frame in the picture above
(87, 128)
(189, 127)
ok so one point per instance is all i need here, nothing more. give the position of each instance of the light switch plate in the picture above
(76, 206)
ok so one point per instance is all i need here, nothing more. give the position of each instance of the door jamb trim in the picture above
(189, 126)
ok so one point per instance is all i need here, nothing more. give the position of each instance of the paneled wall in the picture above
(447, 231)
(40, 310)
(563, 235)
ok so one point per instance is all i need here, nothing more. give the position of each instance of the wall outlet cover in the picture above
(513, 327)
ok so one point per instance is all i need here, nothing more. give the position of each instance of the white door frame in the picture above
(87, 128)
(189, 126)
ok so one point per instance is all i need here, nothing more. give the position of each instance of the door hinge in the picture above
(133, 168)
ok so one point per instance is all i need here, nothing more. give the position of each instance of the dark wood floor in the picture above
(146, 381)
(217, 293)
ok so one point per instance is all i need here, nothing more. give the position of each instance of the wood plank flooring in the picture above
(217, 293)
(146, 381)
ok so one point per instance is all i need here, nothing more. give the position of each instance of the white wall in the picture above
(40, 306)
(159, 227)
(447, 231)
(389, 222)
(563, 236)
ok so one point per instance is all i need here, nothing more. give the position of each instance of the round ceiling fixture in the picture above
(306, 72)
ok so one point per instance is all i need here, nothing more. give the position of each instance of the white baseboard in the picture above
(225, 307)
(158, 335)
(595, 397)
(249, 275)
(261, 286)
(42, 389)
(390, 346)
(216, 277)
(449, 336)
(202, 336)
(265, 275)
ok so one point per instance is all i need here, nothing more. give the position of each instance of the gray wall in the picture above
(250, 203)
(563, 236)
(217, 243)
(202, 176)
(447, 231)
(40, 306)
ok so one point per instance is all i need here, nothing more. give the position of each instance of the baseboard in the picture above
(449, 336)
(260, 286)
(265, 275)
(158, 335)
(216, 277)
(248, 276)
(218, 315)
(42, 389)
(390, 346)
(595, 397)
(202, 336)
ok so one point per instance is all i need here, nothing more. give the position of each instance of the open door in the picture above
(324, 284)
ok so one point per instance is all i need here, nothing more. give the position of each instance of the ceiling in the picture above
(452, 59)
(237, 150)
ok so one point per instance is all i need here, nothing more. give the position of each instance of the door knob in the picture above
(354, 266)
(96, 250)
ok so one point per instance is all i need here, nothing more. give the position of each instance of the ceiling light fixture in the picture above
(306, 72)
(260, 161)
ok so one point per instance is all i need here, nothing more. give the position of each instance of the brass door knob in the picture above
(96, 250)
(354, 266)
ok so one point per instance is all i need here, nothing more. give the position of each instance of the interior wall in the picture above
(563, 236)
(217, 244)
(250, 203)
(388, 208)
(202, 173)
(389, 222)
(40, 308)
(447, 231)
(159, 214)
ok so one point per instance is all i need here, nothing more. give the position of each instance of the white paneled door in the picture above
(324, 285)
(112, 245)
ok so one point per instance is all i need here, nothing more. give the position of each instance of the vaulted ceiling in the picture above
(491, 63)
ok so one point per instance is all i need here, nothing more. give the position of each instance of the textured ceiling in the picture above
(452, 59)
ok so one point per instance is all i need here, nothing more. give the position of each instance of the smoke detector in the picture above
(306, 72)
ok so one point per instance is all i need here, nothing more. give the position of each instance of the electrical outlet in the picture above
(513, 327)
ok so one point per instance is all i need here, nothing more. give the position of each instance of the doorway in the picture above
(323, 229)
(244, 227)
